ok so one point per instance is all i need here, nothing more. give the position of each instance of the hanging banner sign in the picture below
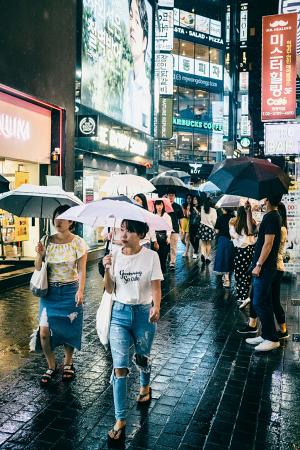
(279, 67)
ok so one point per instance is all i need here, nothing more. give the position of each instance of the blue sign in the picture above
(198, 82)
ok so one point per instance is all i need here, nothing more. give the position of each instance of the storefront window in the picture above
(201, 99)
(186, 103)
(202, 52)
(186, 49)
(216, 56)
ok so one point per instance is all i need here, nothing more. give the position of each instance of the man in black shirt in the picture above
(176, 217)
(265, 261)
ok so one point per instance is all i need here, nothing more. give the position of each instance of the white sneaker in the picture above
(255, 341)
(195, 256)
(266, 346)
(245, 303)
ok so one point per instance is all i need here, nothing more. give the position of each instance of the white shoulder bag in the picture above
(39, 279)
(103, 317)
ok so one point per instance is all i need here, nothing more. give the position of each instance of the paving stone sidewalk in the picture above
(210, 391)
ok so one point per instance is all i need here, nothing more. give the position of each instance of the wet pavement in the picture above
(210, 391)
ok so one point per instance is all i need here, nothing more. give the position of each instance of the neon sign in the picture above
(13, 127)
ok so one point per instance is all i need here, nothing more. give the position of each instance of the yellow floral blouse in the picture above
(62, 260)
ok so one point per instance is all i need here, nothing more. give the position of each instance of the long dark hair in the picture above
(241, 221)
(144, 200)
(159, 202)
(198, 200)
(282, 212)
(207, 204)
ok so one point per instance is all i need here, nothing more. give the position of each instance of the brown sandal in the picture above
(68, 373)
(118, 437)
(47, 377)
(140, 398)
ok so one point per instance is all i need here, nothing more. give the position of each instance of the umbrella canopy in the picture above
(129, 185)
(121, 198)
(100, 212)
(234, 201)
(184, 176)
(166, 202)
(208, 187)
(249, 177)
(4, 184)
(29, 200)
(165, 183)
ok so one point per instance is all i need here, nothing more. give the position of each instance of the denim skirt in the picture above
(59, 312)
(225, 255)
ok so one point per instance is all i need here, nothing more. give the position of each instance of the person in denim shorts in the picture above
(133, 275)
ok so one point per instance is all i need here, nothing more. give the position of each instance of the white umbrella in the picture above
(234, 201)
(209, 187)
(30, 200)
(100, 212)
(129, 185)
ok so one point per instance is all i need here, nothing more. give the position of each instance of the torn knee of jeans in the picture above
(114, 375)
(142, 362)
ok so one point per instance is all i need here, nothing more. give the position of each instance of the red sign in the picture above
(279, 40)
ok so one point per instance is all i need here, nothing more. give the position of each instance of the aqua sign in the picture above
(190, 123)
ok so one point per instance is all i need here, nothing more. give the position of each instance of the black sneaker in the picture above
(202, 259)
(247, 329)
(282, 335)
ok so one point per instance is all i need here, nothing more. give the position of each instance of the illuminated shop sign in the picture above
(164, 31)
(87, 126)
(244, 22)
(282, 139)
(164, 73)
(14, 127)
(25, 130)
(198, 37)
(165, 128)
(209, 126)
(279, 67)
(109, 137)
(198, 82)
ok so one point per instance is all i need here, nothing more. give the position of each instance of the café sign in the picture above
(209, 126)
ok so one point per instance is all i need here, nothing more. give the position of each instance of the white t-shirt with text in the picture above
(133, 274)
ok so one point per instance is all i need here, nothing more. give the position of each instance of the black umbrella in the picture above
(249, 177)
(184, 176)
(166, 183)
(4, 185)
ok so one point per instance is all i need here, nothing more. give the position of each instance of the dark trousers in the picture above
(277, 308)
(194, 237)
(262, 303)
(163, 249)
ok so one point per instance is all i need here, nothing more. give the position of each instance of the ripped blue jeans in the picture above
(129, 324)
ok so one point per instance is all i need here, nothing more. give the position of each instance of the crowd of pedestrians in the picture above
(248, 252)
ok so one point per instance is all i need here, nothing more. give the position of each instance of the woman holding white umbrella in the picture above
(133, 275)
(61, 313)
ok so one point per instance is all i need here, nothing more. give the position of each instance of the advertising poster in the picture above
(279, 67)
(117, 59)
(292, 204)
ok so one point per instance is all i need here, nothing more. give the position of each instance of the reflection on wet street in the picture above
(209, 389)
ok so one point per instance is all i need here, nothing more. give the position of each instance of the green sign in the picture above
(165, 125)
(245, 142)
(191, 123)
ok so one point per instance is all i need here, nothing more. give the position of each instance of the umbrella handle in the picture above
(112, 235)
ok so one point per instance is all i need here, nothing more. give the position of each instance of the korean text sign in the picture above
(279, 67)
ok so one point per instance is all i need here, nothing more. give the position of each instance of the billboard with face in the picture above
(117, 60)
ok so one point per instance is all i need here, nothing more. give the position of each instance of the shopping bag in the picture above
(39, 281)
(103, 318)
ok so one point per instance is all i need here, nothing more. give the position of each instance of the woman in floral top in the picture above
(61, 313)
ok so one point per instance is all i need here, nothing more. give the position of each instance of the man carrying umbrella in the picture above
(176, 216)
(265, 262)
